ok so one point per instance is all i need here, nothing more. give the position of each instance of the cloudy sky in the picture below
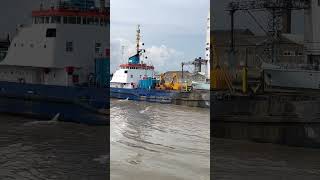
(172, 30)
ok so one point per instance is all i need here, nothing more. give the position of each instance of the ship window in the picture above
(56, 20)
(72, 20)
(84, 20)
(65, 20)
(97, 47)
(41, 20)
(78, 20)
(125, 72)
(96, 21)
(69, 46)
(51, 33)
(47, 20)
(131, 76)
(31, 45)
(101, 22)
(90, 20)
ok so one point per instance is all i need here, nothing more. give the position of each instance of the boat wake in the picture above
(40, 122)
(124, 100)
(54, 120)
(145, 110)
(104, 159)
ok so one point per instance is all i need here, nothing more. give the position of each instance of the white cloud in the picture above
(162, 57)
(173, 30)
(165, 58)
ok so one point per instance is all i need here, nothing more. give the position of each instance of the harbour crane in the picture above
(220, 77)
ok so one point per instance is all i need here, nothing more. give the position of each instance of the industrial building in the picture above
(252, 49)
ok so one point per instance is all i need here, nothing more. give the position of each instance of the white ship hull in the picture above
(292, 78)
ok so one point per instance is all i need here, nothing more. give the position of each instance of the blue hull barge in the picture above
(135, 80)
(73, 104)
(57, 67)
(150, 95)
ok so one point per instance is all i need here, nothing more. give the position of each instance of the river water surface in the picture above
(241, 160)
(159, 142)
(148, 142)
(52, 150)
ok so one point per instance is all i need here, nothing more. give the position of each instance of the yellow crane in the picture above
(220, 77)
(174, 84)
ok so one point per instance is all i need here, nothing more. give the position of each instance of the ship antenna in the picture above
(122, 53)
(138, 39)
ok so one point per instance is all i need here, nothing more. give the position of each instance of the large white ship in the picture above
(59, 64)
(301, 76)
(129, 74)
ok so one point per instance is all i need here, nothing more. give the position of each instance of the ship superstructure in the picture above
(129, 74)
(60, 47)
(305, 76)
(58, 66)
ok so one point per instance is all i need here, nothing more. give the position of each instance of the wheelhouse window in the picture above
(41, 20)
(90, 20)
(65, 20)
(47, 20)
(36, 20)
(56, 19)
(69, 46)
(97, 48)
(51, 33)
(72, 20)
(103, 22)
(96, 21)
(84, 20)
(78, 20)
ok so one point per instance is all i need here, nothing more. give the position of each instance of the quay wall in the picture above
(279, 118)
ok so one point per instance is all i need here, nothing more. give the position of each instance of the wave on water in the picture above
(54, 120)
(103, 159)
(40, 122)
(123, 100)
(145, 110)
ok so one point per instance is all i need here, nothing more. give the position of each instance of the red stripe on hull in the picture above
(67, 12)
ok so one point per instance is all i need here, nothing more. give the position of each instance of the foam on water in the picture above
(145, 110)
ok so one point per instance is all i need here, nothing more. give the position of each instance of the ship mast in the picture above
(138, 39)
